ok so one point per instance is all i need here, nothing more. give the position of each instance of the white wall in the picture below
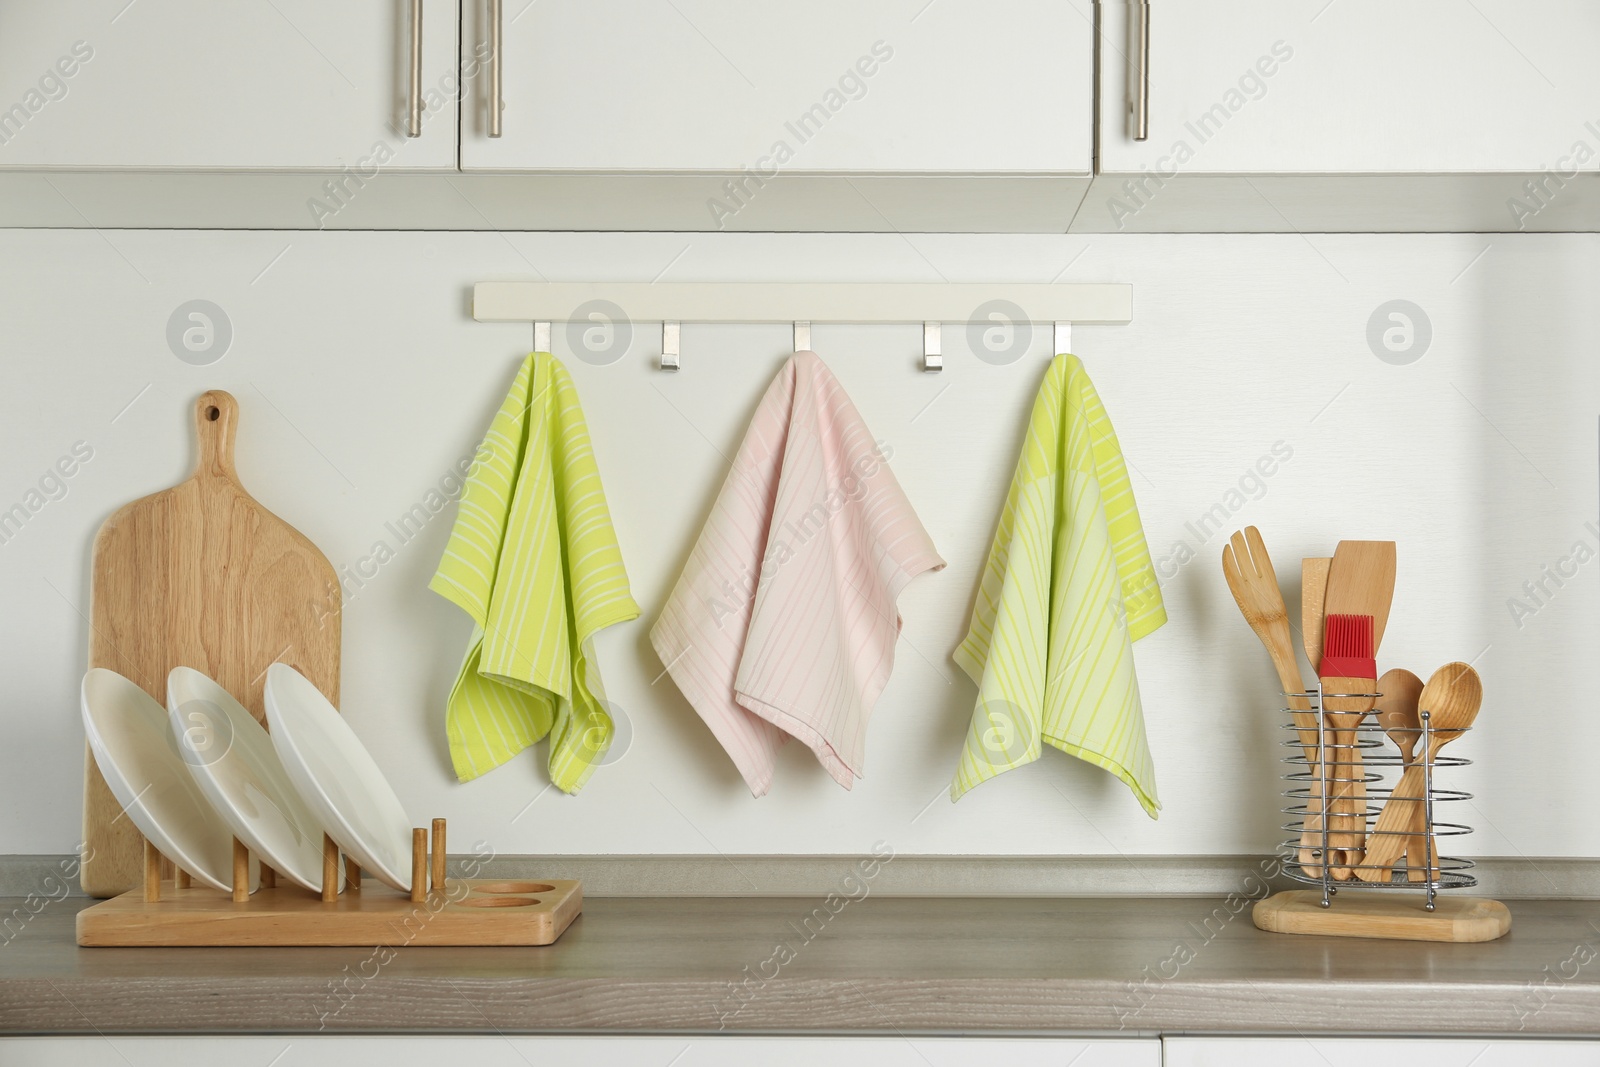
(362, 379)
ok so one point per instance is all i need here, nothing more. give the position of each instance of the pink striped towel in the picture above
(783, 622)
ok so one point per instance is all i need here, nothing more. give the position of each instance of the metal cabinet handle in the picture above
(1139, 69)
(496, 101)
(414, 99)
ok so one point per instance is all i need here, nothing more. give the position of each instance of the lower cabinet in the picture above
(1376, 1052)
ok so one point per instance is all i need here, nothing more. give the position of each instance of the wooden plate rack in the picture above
(438, 910)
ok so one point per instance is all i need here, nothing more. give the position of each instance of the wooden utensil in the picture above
(1254, 585)
(1349, 669)
(1360, 582)
(1452, 697)
(1397, 713)
(1396, 706)
(1313, 591)
(200, 575)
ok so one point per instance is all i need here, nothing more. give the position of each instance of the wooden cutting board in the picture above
(202, 576)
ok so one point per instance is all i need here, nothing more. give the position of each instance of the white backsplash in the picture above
(1244, 392)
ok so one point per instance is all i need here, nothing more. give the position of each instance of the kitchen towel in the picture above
(1068, 588)
(783, 622)
(534, 561)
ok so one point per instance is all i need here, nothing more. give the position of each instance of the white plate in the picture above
(233, 761)
(337, 776)
(134, 750)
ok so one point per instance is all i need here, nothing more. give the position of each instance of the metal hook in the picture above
(541, 337)
(802, 337)
(669, 346)
(932, 360)
(1063, 338)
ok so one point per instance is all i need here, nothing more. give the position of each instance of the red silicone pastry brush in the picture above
(1348, 666)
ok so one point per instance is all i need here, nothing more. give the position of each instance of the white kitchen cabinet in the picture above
(1376, 1052)
(832, 86)
(1351, 114)
(897, 116)
(254, 84)
(1359, 87)
(904, 115)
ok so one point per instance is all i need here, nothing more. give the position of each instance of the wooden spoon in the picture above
(1397, 714)
(1452, 698)
(1397, 709)
(1254, 585)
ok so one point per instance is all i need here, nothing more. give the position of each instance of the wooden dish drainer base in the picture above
(453, 911)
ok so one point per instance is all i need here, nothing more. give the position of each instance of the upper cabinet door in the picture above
(828, 86)
(259, 84)
(1356, 87)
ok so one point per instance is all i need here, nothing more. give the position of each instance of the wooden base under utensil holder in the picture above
(1379, 908)
(457, 911)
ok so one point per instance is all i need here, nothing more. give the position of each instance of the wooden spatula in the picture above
(1254, 585)
(1313, 591)
(1360, 583)
(202, 576)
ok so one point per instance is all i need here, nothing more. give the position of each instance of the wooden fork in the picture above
(1254, 585)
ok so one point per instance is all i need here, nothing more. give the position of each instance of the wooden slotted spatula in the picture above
(1254, 585)
(1360, 584)
(202, 576)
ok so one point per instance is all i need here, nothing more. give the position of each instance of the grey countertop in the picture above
(907, 965)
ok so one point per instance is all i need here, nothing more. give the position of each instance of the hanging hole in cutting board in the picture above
(213, 413)
(514, 887)
(496, 902)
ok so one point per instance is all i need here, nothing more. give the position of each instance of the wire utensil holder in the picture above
(1313, 804)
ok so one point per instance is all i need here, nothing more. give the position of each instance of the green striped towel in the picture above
(534, 561)
(1068, 588)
